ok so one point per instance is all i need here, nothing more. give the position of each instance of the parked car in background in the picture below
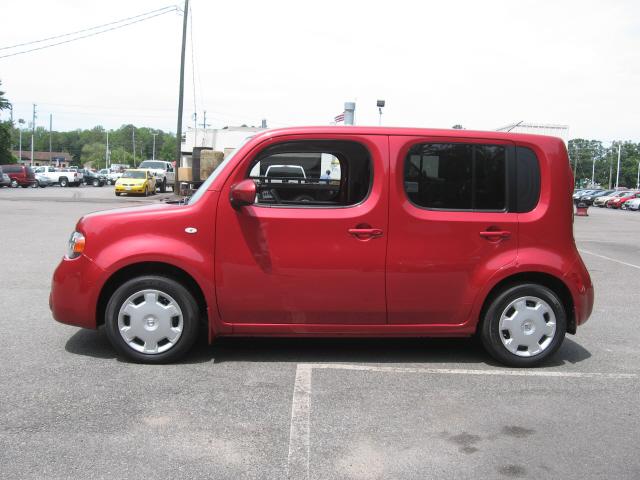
(5, 180)
(136, 181)
(162, 171)
(43, 181)
(617, 202)
(62, 176)
(633, 204)
(93, 178)
(428, 234)
(110, 175)
(20, 175)
(602, 201)
(590, 197)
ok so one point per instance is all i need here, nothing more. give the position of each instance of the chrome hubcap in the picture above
(150, 321)
(527, 326)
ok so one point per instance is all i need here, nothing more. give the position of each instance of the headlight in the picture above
(76, 245)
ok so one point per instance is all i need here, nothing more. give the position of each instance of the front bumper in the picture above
(130, 189)
(74, 292)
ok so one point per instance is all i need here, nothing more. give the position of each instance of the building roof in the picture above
(26, 154)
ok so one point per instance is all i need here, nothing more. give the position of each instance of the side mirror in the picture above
(243, 193)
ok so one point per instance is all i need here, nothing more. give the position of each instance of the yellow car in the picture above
(136, 181)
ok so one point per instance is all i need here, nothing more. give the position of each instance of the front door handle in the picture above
(495, 234)
(364, 233)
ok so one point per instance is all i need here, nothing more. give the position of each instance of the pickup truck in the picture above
(162, 171)
(62, 176)
(110, 175)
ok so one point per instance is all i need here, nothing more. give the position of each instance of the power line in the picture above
(172, 7)
(89, 34)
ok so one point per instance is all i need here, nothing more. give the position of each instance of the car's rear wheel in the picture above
(14, 183)
(524, 325)
(163, 186)
(152, 319)
(35, 185)
(64, 182)
(96, 183)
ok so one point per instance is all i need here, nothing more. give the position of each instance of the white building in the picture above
(554, 130)
(220, 139)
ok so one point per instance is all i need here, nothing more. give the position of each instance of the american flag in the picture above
(339, 118)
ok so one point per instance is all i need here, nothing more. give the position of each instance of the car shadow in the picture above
(94, 343)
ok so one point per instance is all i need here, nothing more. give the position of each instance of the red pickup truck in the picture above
(391, 232)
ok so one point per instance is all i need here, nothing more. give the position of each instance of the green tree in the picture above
(93, 155)
(5, 133)
(5, 144)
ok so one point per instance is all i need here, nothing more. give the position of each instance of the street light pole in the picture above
(181, 96)
(153, 155)
(618, 172)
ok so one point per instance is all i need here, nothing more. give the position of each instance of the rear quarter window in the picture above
(527, 180)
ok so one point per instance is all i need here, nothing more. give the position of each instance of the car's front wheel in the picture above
(152, 319)
(524, 325)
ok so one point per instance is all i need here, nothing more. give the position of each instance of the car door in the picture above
(309, 251)
(450, 228)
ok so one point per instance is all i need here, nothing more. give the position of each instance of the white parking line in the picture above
(609, 258)
(299, 434)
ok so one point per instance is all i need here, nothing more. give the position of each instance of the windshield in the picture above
(152, 164)
(207, 183)
(133, 174)
(285, 171)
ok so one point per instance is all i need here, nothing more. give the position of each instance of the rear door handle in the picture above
(365, 232)
(490, 234)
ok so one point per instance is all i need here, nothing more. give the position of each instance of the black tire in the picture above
(64, 182)
(96, 183)
(35, 185)
(14, 183)
(490, 324)
(180, 294)
(117, 194)
(163, 186)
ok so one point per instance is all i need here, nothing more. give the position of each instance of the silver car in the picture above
(5, 181)
(42, 181)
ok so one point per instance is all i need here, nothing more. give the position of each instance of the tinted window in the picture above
(12, 168)
(152, 164)
(527, 179)
(322, 173)
(456, 176)
(134, 174)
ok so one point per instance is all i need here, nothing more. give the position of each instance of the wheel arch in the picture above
(149, 268)
(552, 282)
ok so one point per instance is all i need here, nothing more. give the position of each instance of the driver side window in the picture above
(321, 173)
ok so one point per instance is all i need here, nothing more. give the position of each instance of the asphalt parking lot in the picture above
(317, 409)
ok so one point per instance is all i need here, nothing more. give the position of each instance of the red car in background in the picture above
(401, 232)
(20, 175)
(617, 202)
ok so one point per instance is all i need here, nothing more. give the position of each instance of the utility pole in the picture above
(181, 95)
(50, 129)
(153, 157)
(33, 131)
(575, 164)
(133, 140)
(106, 153)
(610, 168)
(195, 128)
(638, 179)
(20, 123)
(593, 170)
(618, 172)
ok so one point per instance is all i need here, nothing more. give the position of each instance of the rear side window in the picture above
(527, 179)
(12, 169)
(318, 173)
(456, 176)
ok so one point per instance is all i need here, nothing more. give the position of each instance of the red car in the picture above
(617, 202)
(20, 175)
(392, 232)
